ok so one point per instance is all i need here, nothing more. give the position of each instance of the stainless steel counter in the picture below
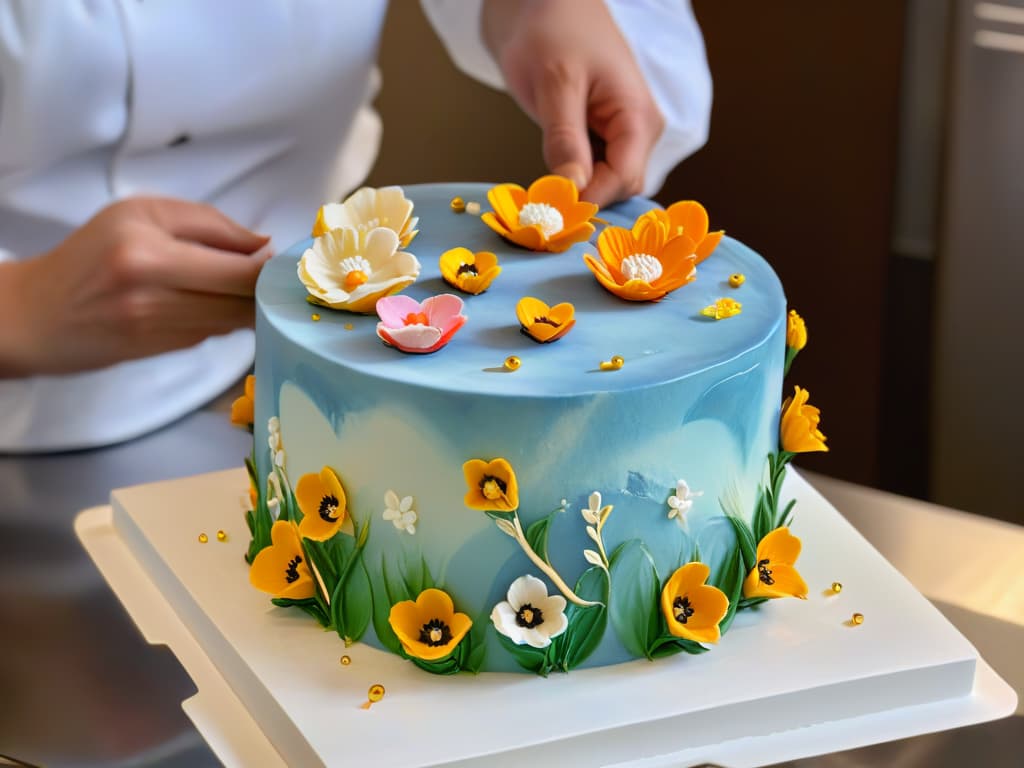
(80, 687)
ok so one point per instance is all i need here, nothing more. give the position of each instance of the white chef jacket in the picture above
(259, 107)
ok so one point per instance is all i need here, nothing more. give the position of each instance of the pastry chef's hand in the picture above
(143, 276)
(568, 66)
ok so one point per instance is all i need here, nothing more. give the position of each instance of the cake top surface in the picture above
(658, 341)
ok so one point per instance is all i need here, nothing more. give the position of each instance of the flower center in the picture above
(764, 573)
(435, 632)
(545, 216)
(641, 266)
(328, 506)
(416, 318)
(545, 321)
(682, 609)
(493, 487)
(467, 269)
(356, 270)
(291, 573)
(529, 617)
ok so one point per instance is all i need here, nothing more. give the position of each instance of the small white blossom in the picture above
(679, 503)
(274, 442)
(530, 616)
(400, 512)
(592, 513)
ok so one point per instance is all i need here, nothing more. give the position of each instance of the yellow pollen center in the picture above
(354, 279)
(416, 318)
(435, 635)
(528, 615)
(492, 490)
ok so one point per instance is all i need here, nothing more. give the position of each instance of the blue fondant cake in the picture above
(674, 440)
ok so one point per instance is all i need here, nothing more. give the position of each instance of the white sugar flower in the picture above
(274, 442)
(349, 269)
(367, 208)
(679, 503)
(400, 512)
(530, 616)
(592, 513)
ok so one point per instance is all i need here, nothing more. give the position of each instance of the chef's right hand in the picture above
(143, 276)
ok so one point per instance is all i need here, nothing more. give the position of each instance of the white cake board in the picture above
(792, 680)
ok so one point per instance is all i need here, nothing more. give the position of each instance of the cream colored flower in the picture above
(367, 209)
(348, 269)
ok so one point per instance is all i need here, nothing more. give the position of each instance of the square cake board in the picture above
(792, 679)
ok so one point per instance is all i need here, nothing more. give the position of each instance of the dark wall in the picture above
(800, 165)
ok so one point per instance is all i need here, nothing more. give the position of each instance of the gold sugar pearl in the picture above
(375, 693)
(473, 208)
(614, 364)
(222, 536)
(736, 279)
(837, 587)
(618, 361)
(345, 660)
(458, 204)
(857, 618)
(315, 317)
(203, 538)
(348, 326)
(512, 363)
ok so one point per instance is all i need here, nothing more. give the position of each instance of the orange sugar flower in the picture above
(281, 568)
(774, 574)
(321, 498)
(428, 627)
(689, 218)
(549, 216)
(242, 410)
(693, 609)
(469, 272)
(798, 430)
(543, 323)
(491, 485)
(644, 263)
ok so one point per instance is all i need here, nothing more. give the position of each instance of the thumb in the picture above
(562, 116)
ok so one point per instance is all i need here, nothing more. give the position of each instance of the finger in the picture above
(562, 116)
(202, 223)
(191, 267)
(621, 174)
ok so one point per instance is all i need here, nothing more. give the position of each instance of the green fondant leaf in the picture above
(352, 602)
(321, 560)
(310, 605)
(389, 591)
(669, 645)
(750, 602)
(526, 656)
(537, 535)
(633, 600)
(786, 518)
(449, 665)
(586, 623)
(747, 542)
(729, 579)
(764, 516)
(262, 523)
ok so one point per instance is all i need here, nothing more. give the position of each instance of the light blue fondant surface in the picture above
(696, 400)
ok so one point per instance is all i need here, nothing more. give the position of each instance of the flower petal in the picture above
(393, 310)
(556, 191)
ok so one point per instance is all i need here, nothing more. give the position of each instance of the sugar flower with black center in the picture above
(549, 216)
(530, 616)
(321, 498)
(470, 272)
(693, 609)
(798, 428)
(281, 569)
(244, 406)
(428, 627)
(774, 574)
(491, 485)
(543, 323)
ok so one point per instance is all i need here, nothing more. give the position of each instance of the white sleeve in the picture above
(666, 43)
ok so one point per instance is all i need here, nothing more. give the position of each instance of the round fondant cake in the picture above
(501, 503)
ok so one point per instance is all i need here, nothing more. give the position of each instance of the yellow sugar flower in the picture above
(774, 574)
(469, 272)
(429, 628)
(722, 308)
(368, 208)
(543, 323)
(798, 430)
(549, 216)
(643, 263)
(491, 485)
(321, 498)
(693, 609)
(688, 217)
(242, 410)
(348, 269)
(281, 569)
(796, 331)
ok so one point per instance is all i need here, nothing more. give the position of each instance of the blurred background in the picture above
(873, 153)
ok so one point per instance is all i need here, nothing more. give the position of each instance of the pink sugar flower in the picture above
(418, 328)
